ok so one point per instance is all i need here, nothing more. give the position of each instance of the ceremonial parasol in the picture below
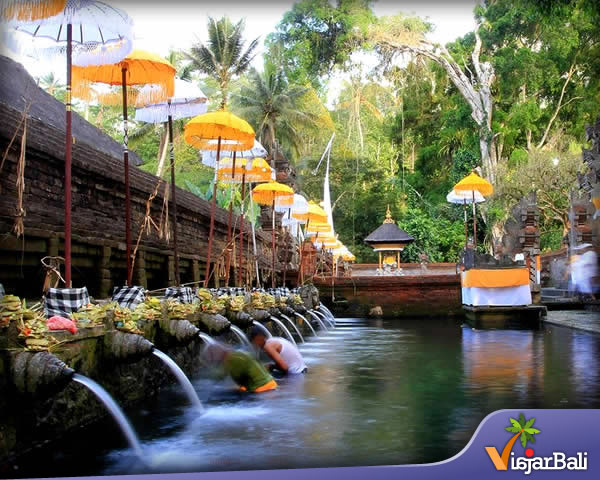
(209, 157)
(474, 183)
(317, 227)
(220, 130)
(188, 101)
(315, 214)
(99, 33)
(28, 10)
(138, 68)
(300, 206)
(266, 194)
(464, 197)
(245, 170)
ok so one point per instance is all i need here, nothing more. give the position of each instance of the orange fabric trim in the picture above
(538, 263)
(271, 385)
(510, 277)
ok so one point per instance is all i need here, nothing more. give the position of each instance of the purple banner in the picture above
(507, 444)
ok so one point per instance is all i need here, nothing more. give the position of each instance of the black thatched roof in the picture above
(389, 233)
(18, 88)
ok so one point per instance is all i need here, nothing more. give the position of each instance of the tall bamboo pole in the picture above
(126, 163)
(229, 225)
(474, 222)
(273, 242)
(174, 199)
(240, 264)
(213, 209)
(68, 150)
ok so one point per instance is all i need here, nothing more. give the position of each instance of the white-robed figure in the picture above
(584, 270)
(286, 357)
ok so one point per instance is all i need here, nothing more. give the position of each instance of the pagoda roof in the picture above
(389, 233)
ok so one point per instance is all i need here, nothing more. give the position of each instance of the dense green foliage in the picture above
(405, 132)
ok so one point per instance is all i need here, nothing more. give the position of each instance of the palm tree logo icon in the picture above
(522, 428)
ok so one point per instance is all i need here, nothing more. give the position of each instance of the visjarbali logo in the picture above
(524, 430)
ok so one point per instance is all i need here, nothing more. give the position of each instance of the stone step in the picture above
(554, 292)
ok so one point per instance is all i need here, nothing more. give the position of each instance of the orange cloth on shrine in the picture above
(505, 277)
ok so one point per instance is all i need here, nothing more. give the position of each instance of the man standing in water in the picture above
(284, 354)
(248, 373)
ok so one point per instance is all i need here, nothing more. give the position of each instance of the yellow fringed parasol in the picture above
(474, 183)
(265, 194)
(138, 68)
(30, 10)
(220, 130)
(315, 214)
(235, 133)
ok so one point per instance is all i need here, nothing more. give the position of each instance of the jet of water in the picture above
(306, 322)
(289, 320)
(240, 334)
(207, 338)
(263, 328)
(319, 321)
(325, 318)
(181, 378)
(285, 330)
(114, 410)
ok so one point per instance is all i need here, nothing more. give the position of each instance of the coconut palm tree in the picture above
(51, 83)
(277, 110)
(224, 56)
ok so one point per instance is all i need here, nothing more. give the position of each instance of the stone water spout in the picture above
(214, 324)
(126, 346)
(241, 319)
(39, 373)
(182, 330)
(260, 315)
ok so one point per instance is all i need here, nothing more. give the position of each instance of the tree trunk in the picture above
(475, 89)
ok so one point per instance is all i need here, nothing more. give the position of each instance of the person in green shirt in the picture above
(246, 371)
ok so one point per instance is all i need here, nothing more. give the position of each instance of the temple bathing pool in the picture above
(377, 392)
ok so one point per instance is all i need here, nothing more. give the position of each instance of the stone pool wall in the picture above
(434, 292)
(30, 419)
